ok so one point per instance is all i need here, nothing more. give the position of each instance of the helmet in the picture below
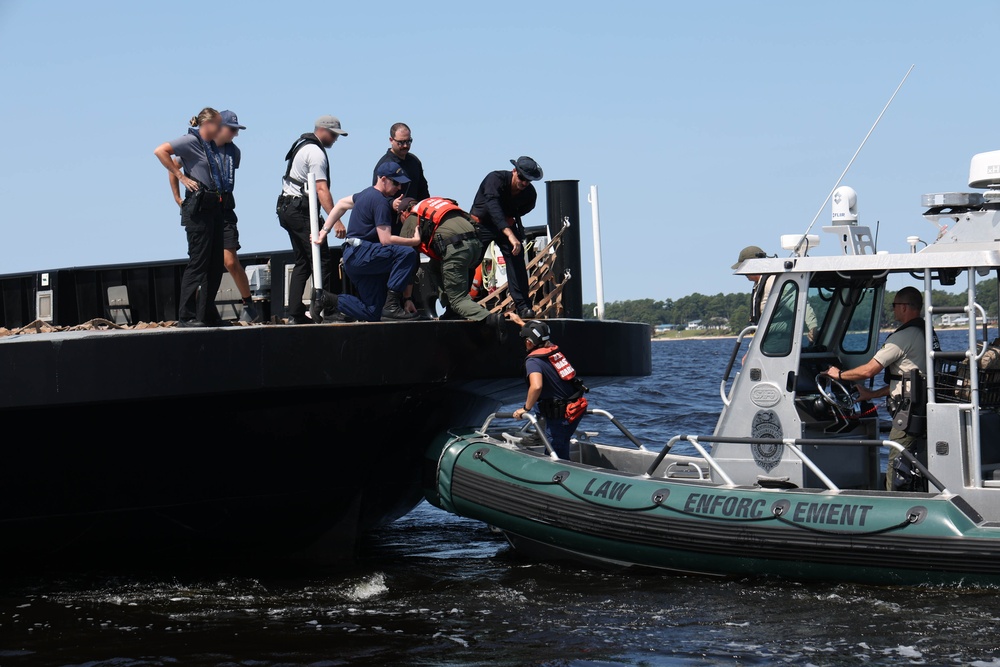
(535, 331)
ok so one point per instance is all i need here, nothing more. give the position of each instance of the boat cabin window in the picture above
(862, 328)
(778, 336)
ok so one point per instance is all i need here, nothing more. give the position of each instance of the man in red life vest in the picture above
(448, 237)
(553, 386)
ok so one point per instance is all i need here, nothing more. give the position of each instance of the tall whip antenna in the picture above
(802, 241)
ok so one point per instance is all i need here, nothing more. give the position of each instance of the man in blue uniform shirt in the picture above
(554, 389)
(379, 263)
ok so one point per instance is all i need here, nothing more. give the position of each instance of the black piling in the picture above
(563, 202)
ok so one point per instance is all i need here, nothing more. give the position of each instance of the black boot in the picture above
(394, 309)
(322, 302)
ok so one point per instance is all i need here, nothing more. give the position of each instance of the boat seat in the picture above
(765, 482)
(686, 471)
(118, 305)
(228, 301)
(991, 472)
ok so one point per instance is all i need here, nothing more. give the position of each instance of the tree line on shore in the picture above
(729, 313)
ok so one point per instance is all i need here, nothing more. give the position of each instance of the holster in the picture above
(909, 411)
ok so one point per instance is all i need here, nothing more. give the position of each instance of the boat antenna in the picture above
(802, 241)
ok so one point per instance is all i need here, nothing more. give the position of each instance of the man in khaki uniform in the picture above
(454, 250)
(903, 351)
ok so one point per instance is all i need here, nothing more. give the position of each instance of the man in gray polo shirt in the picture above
(307, 156)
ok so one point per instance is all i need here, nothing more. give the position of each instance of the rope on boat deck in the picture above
(659, 499)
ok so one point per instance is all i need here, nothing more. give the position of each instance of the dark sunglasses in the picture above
(394, 182)
(403, 142)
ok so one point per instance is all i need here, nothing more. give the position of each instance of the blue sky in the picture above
(707, 126)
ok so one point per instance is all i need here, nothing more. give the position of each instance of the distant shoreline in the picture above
(661, 338)
(672, 339)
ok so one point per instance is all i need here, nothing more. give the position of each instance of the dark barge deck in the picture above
(236, 443)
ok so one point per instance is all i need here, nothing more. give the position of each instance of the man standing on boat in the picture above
(400, 141)
(307, 156)
(761, 284)
(378, 262)
(553, 386)
(903, 351)
(503, 197)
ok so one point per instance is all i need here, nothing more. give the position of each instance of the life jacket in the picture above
(561, 364)
(300, 143)
(430, 213)
(477, 283)
(571, 408)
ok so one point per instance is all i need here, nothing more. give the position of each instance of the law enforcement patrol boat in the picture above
(789, 482)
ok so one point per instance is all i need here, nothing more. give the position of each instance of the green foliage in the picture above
(735, 307)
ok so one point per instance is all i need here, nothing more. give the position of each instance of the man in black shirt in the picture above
(399, 152)
(503, 197)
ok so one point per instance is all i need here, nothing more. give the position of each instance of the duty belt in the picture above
(454, 240)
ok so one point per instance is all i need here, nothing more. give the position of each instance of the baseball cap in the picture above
(406, 201)
(527, 168)
(392, 170)
(750, 252)
(331, 123)
(229, 118)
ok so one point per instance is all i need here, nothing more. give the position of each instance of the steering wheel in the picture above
(835, 393)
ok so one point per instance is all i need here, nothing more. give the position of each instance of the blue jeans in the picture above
(375, 269)
(560, 431)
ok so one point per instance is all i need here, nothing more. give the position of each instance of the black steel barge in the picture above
(256, 442)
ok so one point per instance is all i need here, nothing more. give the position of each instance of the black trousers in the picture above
(203, 273)
(296, 223)
(517, 271)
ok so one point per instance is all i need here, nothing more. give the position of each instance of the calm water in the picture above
(433, 589)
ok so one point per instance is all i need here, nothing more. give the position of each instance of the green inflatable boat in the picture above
(789, 482)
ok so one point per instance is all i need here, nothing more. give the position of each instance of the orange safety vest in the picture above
(557, 359)
(477, 283)
(576, 405)
(430, 212)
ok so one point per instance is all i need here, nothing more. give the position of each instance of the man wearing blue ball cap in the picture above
(379, 263)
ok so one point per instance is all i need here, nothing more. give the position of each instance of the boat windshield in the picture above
(862, 328)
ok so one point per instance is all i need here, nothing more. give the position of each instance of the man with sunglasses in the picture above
(503, 197)
(903, 354)
(400, 141)
(379, 263)
(307, 156)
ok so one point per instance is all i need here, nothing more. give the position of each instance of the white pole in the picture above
(598, 264)
(314, 229)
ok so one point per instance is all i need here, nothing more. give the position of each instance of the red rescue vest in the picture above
(557, 359)
(576, 405)
(430, 212)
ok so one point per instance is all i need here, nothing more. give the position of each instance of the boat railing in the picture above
(534, 421)
(969, 358)
(794, 445)
(732, 360)
(531, 420)
(621, 427)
